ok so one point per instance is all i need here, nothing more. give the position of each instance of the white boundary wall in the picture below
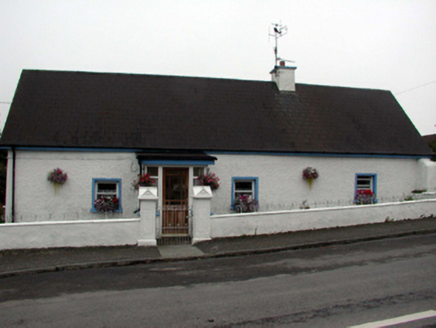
(69, 233)
(116, 232)
(232, 225)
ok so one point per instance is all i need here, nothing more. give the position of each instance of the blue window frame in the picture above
(245, 186)
(366, 181)
(106, 188)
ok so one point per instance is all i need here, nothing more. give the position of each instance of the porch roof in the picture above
(198, 158)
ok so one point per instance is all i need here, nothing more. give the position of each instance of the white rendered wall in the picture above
(36, 199)
(127, 231)
(427, 175)
(69, 234)
(233, 225)
(281, 183)
(9, 187)
(284, 77)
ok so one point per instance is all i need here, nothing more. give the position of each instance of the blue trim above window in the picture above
(108, 150)
(256, 187)
(214, 152)
(117, 181)
(176, 162)
(374, 183)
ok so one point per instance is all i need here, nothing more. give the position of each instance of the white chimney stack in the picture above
(284, 77)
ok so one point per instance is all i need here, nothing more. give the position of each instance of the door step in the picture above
(179, 251)
(174, 240)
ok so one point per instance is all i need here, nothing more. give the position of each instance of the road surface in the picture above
(337, 286)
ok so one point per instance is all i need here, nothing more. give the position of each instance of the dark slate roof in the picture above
(151, 112)
(430, 138)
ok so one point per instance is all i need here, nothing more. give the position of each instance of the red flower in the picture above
(143, 181)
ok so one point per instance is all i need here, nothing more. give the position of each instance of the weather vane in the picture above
(278, 31)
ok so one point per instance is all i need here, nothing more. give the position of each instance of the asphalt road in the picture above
(336, 286)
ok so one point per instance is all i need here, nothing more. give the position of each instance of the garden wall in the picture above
(232, 225)
(69, 233)
(115, 232)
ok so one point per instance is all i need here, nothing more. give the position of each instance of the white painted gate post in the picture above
(202, 196)
(147, 202)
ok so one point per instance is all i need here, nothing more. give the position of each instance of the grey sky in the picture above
(381, 44)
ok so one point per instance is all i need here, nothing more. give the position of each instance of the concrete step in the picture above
(179, 251)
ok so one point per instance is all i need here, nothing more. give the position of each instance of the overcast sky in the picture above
(380, 44)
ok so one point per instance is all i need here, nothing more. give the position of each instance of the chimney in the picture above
(284, 77)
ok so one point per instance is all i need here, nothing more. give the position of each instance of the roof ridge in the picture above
(341, 87)
(193, 77)
(143, 75)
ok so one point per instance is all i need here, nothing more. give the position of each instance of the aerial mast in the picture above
(278, 31)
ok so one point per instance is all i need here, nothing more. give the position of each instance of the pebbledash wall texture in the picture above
(279, 180)
(37, 198)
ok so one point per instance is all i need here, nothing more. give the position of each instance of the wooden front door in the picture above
(175, 212)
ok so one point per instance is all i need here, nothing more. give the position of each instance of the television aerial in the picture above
(278, 30)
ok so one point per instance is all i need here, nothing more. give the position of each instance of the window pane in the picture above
(176, 188)
(198, 171)
(106, 187)
(243, 186)
(153, 171)
(364, 182)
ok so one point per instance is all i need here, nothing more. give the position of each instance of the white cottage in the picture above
(103, 129)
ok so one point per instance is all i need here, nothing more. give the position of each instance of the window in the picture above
(108, 189)
(198, 171)
(247, 186)
(366, 188)
(154, 174)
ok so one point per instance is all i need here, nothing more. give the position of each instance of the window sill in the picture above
(373, 202)
(93, 210)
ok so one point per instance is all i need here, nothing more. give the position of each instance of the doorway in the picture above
(175, 205)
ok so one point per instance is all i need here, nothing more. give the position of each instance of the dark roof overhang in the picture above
(176, 158)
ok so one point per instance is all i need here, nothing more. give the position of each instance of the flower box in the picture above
(144, 180)
(365, 196)
(106, 204)
(209, 179)
(244, 204)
